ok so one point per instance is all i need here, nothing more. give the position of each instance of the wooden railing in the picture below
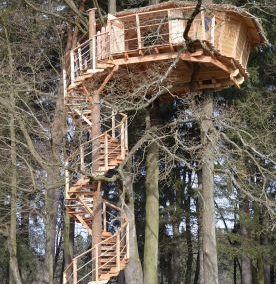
(163, 28)
(87, 266)
(90, 152)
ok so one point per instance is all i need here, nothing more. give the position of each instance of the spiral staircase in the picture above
(95, 158)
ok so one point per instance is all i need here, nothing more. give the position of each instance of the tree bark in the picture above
(187, 204)
(97, 197)
(133, 271)
(152, 216)
(246, 277)
(14, 274)
(210, 266)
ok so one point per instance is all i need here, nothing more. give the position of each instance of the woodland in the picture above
(224, 141)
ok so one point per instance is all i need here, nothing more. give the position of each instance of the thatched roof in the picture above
(214, 7)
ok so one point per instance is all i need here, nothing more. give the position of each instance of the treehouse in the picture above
(223, 38)
(147, 42)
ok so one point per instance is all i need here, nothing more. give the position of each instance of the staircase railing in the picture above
(88, 266)
(98, 150)
(85, 56)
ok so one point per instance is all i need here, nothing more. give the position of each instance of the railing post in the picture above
(94, 57)
(82, 168)
(64, 86)
(72, 66)
(203, 25)
(67, 180)
(126, 133)
(138, 32)
(106, 151)
(113, 124)
(127, 241)
(104, 216)
(97, 262)
(75, 271)
(123, 150)
(64, 278)
(118, 251)
(80, 59)
(213, 24)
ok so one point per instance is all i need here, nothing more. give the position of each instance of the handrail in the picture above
(98, 137)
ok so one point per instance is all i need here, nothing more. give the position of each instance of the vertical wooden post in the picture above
(64, 278)
(72, 66)
(92, 22)
(80, 59)
(126, 134)
(203, 25)
(104, 216)
(92, 36)
(123, 152)
(213, 24)
(127, 241)
(97, 263)
(75, 272)
(138, 32)
(94, 57)
(106, 151)
(67, 180)
(82, 168)
(118, 251)
(113, 124)
(64, 85)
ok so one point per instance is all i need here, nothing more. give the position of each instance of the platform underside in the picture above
(172, 67)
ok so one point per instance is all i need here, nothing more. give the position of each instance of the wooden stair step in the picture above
(106, 234)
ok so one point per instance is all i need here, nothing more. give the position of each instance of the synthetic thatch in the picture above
(214, 7)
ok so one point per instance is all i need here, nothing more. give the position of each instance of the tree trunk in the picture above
(210, 266)
(187, 204)
(152, 216)
(97, 197)
(14, 274)
(133, 271)
(246, 277)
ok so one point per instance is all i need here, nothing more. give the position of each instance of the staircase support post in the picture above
(75, 271)
(106, 151)
(104, 216)
(113, 124)
(118, 251)
(67, 180)
(127, 241)
(97, 263)
(72, 67)
(82, 160)
(123, 152)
